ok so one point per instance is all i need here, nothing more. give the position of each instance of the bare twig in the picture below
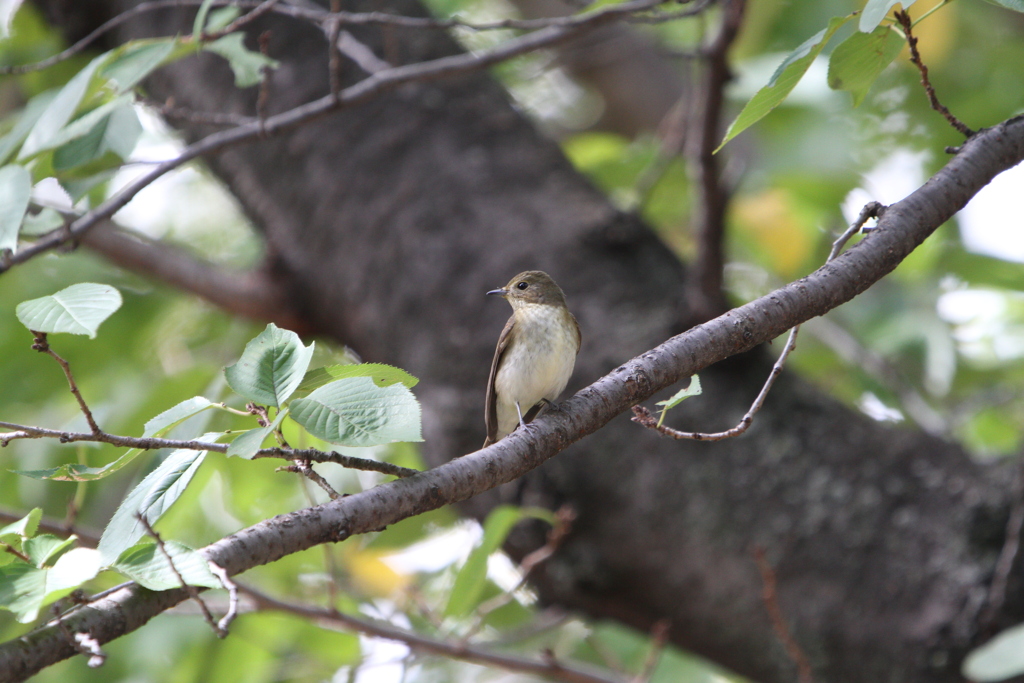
(83, 642)
(189, 588)
(333, 29)
(8, 548)
(659, 634)
(556, 670)
(232, 589)
(704, 290)
(152, 443)
(366, 89)
(903, 17)
(86, 537)
(42, 346)
(642, 415)
(771, 603)
(305, 469)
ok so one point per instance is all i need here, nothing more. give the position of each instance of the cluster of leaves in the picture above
(82, 132)
(349, 405)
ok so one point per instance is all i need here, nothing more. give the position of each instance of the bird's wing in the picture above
(491, 405)
(579, 335)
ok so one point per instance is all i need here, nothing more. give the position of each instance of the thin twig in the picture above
(333, 27)
(659, 634)
(42, 345)
(564, 517)
(8, 548)
(83, 642)
(232, 589)
(189, 588)
(153, 443)
(903, 17)
(86, 537)
(771, 603)
(305, 469)
(365, 89)
(642, 415)
(553, 669)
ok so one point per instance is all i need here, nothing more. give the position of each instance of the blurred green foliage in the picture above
(949, 322)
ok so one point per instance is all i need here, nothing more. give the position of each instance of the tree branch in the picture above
(903, 227)
(254, 294)
(373, 85)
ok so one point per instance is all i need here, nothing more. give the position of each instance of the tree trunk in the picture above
(388, 221)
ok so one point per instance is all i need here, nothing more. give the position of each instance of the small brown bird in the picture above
(535, 355)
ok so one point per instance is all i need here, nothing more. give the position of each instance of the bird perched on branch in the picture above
(535, 355)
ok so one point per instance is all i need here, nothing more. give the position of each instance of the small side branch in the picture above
(43, 346)
(771, 603)
(193, 593)
(642, 415)
(903, 17)
(550, 668)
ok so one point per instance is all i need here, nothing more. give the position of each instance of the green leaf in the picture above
(693, 389)
(22, 589)
(152, 498)
(29, 116)
(271, 367)
(998, 659)
(858, 60)
(114, 136)
(23, 528)
(15, 190)
(472, 577)
(383, 375)
(159, 425)
(132, 62)
(82, 126)
(221, 17)
(45, 549)
(78, 309)
(25, 589)
(7, 11)
(247, 65)
(74, 471)
(247, 443)
(43, 222)
(357, 412)
(200, 21)
(1015, 5)
(60, 110)
(876, 10)
(148, 566)
(783, 80)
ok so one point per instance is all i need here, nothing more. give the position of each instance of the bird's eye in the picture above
(522, 285)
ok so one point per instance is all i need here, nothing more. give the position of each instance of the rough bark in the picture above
(392, 218)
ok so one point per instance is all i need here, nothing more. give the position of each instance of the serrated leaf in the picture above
(271, 367)
(153, 496)
(60, 110)
(472, 577)
(78, 309)
(45, 549)
(29, 116)
(247, 443)
(858, 60)
(15, 190)
(148, 566)
(247, 65)
(783, 80)
(132, 62)
(74, 471)
(1015, 5)
(22, 589)
(176, 415)
(24, 528)
(199, 23)
(998, 659)
(382, 374)
(876, 10)
(25, 589)
(356, 412)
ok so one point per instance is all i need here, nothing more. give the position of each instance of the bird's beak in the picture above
(502, 292)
